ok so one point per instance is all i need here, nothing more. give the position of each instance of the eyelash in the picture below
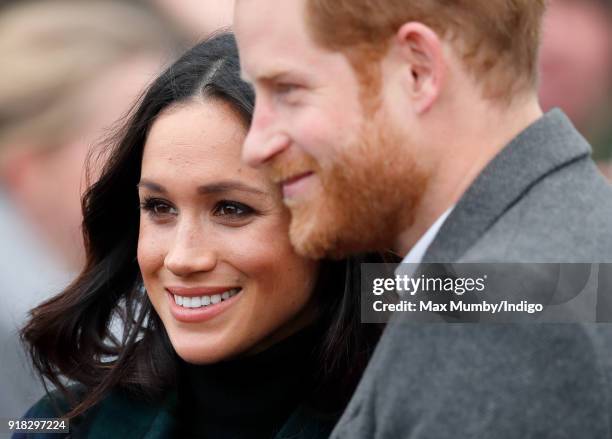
(151, 204)
(285, 88)
(246, 210)
(286, 91)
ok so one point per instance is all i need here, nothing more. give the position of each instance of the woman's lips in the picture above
(199, 291)
(294, 185)
(216, 302)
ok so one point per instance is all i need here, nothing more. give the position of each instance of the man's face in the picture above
(343, 169)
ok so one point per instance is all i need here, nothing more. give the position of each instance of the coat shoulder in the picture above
(117, 415)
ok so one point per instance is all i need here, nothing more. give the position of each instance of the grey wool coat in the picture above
(541, 199)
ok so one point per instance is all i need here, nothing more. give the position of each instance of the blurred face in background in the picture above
(576, 58)
(70, 71)
(213, 248)
(199, 18)
(49, 180)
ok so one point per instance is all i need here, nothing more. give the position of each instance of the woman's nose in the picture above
(189, 252)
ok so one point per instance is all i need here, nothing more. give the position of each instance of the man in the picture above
(415, 125)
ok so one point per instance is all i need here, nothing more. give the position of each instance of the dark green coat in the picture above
(120, 417)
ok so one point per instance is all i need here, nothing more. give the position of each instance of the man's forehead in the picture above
(271, 43)
(254, 17)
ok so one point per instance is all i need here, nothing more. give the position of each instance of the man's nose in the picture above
(264, 140)
(190, 253)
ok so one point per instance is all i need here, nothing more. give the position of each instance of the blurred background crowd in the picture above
(70, 70)
(576, 69)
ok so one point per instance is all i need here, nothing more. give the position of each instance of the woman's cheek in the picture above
(272, 265)
(260, 250)
(150, 251)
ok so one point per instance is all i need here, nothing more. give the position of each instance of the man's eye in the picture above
(232, 209)
(287, 92)
(158, 208)
(283, 89)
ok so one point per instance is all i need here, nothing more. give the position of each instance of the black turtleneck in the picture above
(249, 397)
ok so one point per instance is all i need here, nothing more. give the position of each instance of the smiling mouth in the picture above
(204, 301)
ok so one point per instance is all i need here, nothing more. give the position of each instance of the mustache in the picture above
(282, 168)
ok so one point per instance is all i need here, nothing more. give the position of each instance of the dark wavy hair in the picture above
(71, 337)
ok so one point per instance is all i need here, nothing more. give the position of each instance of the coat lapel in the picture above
(121, 417)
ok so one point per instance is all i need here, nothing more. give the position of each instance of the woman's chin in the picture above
(201, 355)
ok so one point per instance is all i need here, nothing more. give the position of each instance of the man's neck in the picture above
(475, 140)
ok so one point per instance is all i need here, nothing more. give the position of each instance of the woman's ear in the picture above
(422, 52)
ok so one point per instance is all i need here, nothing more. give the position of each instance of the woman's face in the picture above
(213, 246)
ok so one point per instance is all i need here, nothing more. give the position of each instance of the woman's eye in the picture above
(232, 209)
(158, 208)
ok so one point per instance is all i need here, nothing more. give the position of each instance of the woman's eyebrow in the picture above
(208, 189)
(144, 183)
(227, 186)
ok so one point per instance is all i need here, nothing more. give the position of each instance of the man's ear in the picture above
(421, 49)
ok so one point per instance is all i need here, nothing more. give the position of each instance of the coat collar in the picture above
(547, 145)
(121, 417)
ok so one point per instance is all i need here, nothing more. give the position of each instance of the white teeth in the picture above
(197, 302)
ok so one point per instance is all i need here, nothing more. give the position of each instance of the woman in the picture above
(226, 331)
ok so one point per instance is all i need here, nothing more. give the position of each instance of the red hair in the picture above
(497, 39)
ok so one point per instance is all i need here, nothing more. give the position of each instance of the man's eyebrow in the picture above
(272, 76)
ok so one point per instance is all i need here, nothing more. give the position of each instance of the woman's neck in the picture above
(251, 395)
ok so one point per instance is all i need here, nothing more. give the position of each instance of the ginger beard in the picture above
(366, 196)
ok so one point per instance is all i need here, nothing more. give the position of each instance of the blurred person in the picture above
(198, 18)
(576, 67)
(416, 125)
(606, 168)
(69, 70)
(229, 333)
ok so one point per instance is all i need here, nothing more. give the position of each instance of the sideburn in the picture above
(365, 59)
